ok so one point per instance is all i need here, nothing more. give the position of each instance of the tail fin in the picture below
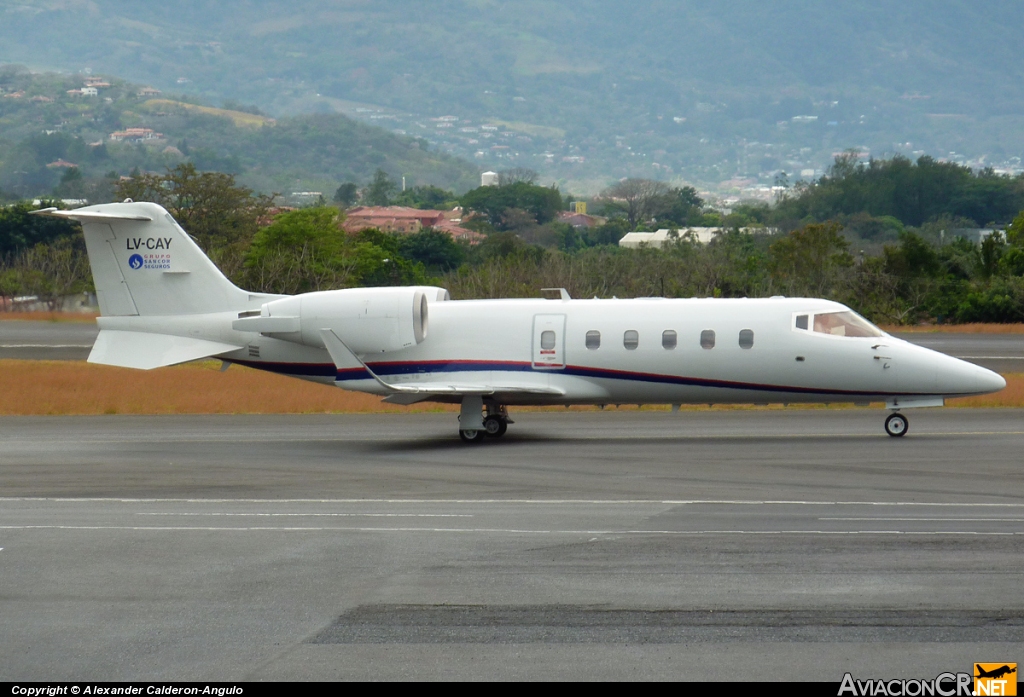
(143, 263)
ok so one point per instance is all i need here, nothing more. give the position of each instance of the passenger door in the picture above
(549, 341)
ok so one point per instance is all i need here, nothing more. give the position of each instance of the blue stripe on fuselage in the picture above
(428, 367)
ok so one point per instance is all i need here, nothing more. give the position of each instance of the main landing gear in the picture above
(896, 425)
(475, 426)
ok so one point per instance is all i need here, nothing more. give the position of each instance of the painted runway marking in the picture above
(36, 346)
(507, 531)
(949, 520)
(537, 502)
(321, 515)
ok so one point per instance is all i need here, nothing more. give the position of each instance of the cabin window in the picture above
(846, 323)
(707, 339)
(593, 340)
(631, 339)
(801, 321)
(547, 339)
(668, 339)
(746, 338)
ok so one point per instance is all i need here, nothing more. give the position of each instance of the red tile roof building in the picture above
(391, 219)
(408, 221)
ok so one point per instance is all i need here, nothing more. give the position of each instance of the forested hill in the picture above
(44, 129)
(616, 87)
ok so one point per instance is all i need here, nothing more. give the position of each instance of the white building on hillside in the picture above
(633, 240)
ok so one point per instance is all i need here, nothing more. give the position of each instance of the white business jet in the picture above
(163, 302)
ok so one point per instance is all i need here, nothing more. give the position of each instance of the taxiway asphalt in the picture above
(774, 544)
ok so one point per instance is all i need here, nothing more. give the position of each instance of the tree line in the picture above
(840, 238)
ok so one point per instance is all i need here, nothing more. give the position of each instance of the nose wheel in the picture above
(896, 425)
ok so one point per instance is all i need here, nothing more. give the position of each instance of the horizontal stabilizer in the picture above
(83, 216)
(147, 351)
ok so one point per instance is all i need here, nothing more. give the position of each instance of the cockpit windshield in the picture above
(845, 323)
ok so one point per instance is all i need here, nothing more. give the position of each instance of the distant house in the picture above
(391, 219)
(976, 234)
(459, 233)
(407, 221)
(633, 240)
(580, 219)
(135, 135)
(149, 92)
(61, 164)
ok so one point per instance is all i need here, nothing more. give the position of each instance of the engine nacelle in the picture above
(368, 320)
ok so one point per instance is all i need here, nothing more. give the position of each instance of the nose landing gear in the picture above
(896, 425)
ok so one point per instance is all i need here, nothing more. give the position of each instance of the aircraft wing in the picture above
(425, 391)
(412, 392)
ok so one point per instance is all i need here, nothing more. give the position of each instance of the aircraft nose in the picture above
(992, 381)
(977, 380)
(956, 376)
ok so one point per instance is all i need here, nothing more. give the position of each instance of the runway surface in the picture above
(1002, 353)
(52, 341)
(779, 545)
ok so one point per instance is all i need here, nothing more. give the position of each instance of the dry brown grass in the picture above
(973, 328)
(71, 387)
(51, 316)
(1010, 396)
(240, 118)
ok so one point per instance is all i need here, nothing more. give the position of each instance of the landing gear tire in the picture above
(495, 426)
(896, 425)
(468, 436)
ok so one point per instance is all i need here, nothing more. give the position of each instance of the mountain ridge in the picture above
(687, 85)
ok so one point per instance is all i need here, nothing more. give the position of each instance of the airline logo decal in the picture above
(158, 258)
